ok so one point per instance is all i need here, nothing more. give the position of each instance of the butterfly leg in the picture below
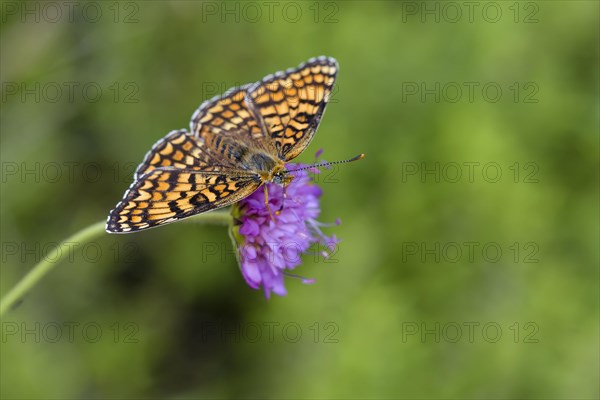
(267, 203)
(283, 196)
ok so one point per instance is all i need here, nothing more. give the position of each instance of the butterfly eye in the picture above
(282, 178)
(278, 178)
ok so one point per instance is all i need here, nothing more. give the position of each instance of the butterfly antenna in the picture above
(326, 164)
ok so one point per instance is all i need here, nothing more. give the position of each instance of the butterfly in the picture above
(236, 143)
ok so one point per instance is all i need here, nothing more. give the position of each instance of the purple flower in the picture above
(268, 247)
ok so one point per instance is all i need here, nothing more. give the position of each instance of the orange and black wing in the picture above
(227, 119)
(180, 150)
(168, 194)
(289, 105)
(179, 177)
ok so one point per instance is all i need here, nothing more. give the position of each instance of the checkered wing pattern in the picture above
(228, 118)
(236, 142)
(178, 179)
(289, 105)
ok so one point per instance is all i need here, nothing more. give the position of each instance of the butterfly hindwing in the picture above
(178, 149)
(227, 117)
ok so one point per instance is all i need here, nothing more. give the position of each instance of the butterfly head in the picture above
(278, 174)
(282, 177)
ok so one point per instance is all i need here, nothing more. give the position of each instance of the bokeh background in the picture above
(469, 261)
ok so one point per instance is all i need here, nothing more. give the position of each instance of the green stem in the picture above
(85, 235)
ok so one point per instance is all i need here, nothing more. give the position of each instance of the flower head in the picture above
(270, 241)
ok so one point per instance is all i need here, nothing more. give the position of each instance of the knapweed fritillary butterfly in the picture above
(237, 142)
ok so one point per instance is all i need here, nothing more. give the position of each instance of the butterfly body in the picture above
(236, 143)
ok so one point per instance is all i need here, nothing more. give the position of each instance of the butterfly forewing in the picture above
(167, 194)
(179, 178)
(291, 104)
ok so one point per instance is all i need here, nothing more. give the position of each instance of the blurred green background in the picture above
(469, 261)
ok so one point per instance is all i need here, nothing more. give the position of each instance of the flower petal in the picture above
(268, 245)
